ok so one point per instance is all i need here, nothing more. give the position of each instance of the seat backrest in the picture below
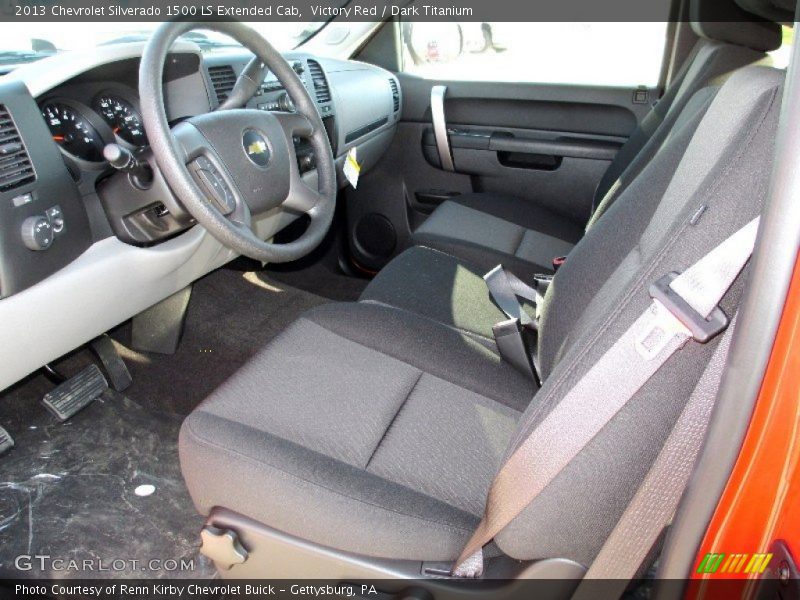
(723, 48)
(596, 257)
(666, 220)
(710, 64)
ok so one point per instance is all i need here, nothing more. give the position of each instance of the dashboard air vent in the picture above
(320, 83)
(395, 94)
(223, 79)
(16, 168)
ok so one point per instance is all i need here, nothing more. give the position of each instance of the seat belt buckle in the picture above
(558, 261)
(542, 281)
(700, 328)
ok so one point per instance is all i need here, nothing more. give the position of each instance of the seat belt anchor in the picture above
(510, 339)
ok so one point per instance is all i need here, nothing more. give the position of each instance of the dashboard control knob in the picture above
(37, 233)
(306, 162)
(56, 218)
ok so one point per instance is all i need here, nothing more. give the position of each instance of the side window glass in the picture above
(604, 54)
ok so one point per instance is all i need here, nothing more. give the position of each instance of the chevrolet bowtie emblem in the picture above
(256, 148)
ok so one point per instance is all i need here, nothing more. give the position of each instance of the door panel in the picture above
(584, 109)
(533, 164)
(548, 144)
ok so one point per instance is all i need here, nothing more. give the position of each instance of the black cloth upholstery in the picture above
(329, 433)
(373, 430)
(725, 172)
(440, 287)
(446, 283)
(727, 21)
(782, 11)
(484, 238)
(527, 215)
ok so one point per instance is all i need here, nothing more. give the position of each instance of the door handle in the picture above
(440, 127)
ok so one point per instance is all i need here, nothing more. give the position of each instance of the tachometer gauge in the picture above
(73, 132)
(122, 117)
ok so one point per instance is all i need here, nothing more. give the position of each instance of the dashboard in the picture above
(76, 128)
(82, 250)
(101, 106)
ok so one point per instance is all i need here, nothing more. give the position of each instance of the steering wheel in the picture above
(226, 165)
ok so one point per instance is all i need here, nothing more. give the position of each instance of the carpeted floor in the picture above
(231, 315)
(322, 279)
(69, 490)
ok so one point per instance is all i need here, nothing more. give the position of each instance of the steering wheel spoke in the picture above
(294, 125)
(208, 171)
(301, 197)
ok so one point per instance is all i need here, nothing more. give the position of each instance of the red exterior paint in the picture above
(761, 502)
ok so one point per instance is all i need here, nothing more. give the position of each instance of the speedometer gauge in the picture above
(73, 132)
(122, 117)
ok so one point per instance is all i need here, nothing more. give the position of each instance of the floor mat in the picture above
(103, 487)
(232, 314)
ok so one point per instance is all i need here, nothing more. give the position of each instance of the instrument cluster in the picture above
(82, 130)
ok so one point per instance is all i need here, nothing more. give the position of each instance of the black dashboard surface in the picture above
(44, 208)
(64, 130)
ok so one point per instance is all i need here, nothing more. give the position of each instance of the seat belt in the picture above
(512, 344)
(684, 306)
(653, 506)
(505, 288)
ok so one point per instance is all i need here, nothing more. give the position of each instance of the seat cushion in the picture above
(441, 287)
(348, 445)
(524, 213)
(489, 230)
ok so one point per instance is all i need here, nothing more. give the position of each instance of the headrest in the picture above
(725, 21)
(781, 11)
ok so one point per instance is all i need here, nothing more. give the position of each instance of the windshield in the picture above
(30, 41)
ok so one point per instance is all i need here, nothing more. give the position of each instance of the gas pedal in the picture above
(76, 393)
(6, 441)
(118, 374)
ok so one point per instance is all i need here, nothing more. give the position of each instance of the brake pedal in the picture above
(76, 393)
(6, 441)
(118, 373)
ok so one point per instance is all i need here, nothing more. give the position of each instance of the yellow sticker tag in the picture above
(351, 167)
